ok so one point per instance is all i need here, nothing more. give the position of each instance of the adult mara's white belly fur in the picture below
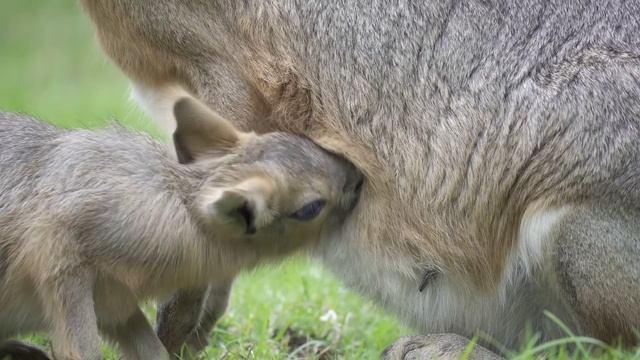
(454, 305)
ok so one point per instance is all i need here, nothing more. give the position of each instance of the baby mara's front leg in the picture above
(189, 315)
(136, 339)
(122, 321)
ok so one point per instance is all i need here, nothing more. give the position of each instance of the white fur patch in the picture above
(451, 304)
(533, 235)
(158, 103)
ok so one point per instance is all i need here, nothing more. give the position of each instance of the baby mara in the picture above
(93, 222)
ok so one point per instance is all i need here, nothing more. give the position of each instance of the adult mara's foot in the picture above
(435, 346)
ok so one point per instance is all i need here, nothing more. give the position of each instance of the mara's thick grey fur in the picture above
(493, 135)
(92, 222)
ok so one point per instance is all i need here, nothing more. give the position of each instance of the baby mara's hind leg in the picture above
(189, 315)
(67, 300)
(596, 261)
(16, 350)
(17, 323)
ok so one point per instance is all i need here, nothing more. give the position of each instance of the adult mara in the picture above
(500, 140)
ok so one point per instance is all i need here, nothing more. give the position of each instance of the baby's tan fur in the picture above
(91, 223)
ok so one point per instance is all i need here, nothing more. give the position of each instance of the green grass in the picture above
(51, 67)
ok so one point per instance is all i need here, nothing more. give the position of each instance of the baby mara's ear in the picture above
(245, 204)
(200, 131)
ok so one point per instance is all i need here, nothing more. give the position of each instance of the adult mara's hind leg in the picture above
(596, 261)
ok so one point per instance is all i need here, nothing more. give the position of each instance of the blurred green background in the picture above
(51, 67)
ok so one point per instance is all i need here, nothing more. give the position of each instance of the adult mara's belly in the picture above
(449, 303)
